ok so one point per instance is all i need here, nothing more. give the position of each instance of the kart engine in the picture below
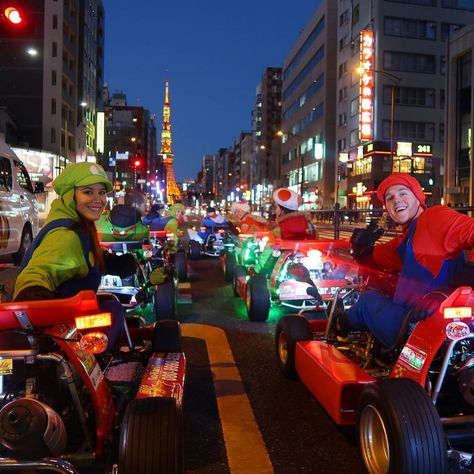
(31, 429)
(465, 379)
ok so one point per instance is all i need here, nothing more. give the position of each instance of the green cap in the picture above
(80, 174)
(174, 208)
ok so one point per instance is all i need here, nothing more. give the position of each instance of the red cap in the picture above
(403, 179)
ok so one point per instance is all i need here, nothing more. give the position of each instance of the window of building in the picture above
(342, 42)
(54, 49)
(442, 98)
(355, 14)
(53, 106)
(409, 130)
(342, 93)
(447, 29)
(410, 28)
(459, 4)
(342, 68)
(344, 17)
(354, 137)
(409, 62)
(55, 22)
(53, 135)
(342, 119)
(341, 144)
(354, 106)
(53, 77)
(442, 66)
(411, 96)
(441, 132)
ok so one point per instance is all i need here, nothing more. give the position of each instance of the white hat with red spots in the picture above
(287, 198)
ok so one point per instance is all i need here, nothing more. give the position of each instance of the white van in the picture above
(18, 205)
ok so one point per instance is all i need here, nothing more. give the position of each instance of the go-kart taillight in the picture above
(202, 228)
(94, 342)
(460, 312)
(94, 321)
(170, 236)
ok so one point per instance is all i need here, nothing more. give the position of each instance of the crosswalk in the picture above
(184, 293)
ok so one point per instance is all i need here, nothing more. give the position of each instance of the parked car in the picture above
(18, 205)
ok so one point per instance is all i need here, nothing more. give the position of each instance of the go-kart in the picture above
(139, 294)
(297, 269)
(163, 242)
(67, 406)
(245, 251)
(412, 404)
(211, 242)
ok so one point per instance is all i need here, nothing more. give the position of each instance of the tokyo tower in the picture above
(173, 193)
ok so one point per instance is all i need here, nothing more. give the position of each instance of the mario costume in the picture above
(246, 222)
(211, 220)
(427, 255)
(292, 225)
(170, 223)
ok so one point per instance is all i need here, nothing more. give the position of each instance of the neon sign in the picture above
(366, 85)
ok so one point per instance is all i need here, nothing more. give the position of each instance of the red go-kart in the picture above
(412, 404)
(66, 406)
(297, 268)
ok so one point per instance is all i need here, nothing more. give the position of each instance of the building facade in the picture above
(459, 170)
(391, 89)
(308, 109)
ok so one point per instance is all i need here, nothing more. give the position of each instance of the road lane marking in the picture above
(246, 450)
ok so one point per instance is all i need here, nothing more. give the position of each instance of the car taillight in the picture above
(202, 228)
(94, 321)
(94, 342)
(461, 312)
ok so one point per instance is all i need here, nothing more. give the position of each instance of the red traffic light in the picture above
(13, 15)
(137, 163)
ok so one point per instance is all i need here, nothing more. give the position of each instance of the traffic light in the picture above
(14, 19)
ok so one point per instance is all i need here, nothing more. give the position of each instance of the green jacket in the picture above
(60, 255)
(121, 229)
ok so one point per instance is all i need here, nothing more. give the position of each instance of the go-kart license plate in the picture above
(6, 366)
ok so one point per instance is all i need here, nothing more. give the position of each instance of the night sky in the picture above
(214, 53)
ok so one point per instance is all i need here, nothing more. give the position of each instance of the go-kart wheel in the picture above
(240, 271)
(399, 429)
(290, 330)
(194, 250)
(258, 298)
(151, 438)
(181, 266)
(229, 266)
(165, 301)
(26, 241)
(166, 336)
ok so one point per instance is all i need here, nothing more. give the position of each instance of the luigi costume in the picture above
(60, 263)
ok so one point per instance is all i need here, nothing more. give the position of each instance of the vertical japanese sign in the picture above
(366, 85)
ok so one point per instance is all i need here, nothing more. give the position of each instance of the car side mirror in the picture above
(39, 187)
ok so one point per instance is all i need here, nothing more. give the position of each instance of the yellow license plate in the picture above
(6, 366)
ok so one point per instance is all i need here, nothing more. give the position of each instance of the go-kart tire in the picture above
(151, 437)
(258, 298)
(26, 241)
(399, 429)
(290, 330)
(181, 266)
(166, 337)
(240, 271)
(229, 266)
(165, 301)
(194, 250)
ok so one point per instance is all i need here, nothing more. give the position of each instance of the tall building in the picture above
(459, 168)
(390, 113)
(129, 143)
(308, 109)
(44, 72)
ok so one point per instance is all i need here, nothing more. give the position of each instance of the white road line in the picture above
(246, 451)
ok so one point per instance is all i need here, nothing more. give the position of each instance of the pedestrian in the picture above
(66, 256)
(427, 256)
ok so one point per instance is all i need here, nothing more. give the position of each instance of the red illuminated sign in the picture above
(366, 85)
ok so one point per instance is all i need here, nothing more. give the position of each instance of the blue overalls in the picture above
(159, 223)
(90, 282)
(382, 315)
